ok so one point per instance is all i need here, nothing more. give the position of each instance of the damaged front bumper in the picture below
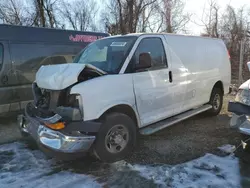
(240, 118)
(71, 139)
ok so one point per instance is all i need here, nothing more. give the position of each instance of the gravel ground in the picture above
(187, 140)
(177, 144)
(8, 130)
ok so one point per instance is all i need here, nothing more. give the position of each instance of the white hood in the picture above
(245, 85)
(61, 76)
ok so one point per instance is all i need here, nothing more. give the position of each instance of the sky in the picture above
(196, 7)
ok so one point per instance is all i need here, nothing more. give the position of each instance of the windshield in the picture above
(107, 54)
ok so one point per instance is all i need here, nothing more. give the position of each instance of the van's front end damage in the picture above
(55, 118)
(57, 133)
(239, 119)
(240, 108)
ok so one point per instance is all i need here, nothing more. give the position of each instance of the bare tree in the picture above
(173, 19)
(45, 13)
(110, 17)
(49, 8)
(234, 28)
(125, 15)
(41, 20)
(80, 14)
(14, 12)
(146, 23)
(210, 19)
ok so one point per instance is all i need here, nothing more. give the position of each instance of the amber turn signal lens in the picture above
(56, 126)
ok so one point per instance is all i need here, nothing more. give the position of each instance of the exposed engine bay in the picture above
(48, 102)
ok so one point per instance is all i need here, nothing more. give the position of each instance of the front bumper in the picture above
(240, 119)
(58, 141)
(241, 123)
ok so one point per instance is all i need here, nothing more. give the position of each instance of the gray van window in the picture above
(55, 60)
(29, 57)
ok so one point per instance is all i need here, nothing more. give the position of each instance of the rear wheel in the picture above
(116, 138)
(216, 100)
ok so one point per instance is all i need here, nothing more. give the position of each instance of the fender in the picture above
(133, 107)
(102, 93)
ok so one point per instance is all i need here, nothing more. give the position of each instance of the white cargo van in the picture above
(123, 85)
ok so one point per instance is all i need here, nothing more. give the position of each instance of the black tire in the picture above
(101, 148)
(217, 93)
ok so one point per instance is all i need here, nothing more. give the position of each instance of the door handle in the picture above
(170, 76)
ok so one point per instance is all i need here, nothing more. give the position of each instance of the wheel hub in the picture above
(216, 102)
(116, 139)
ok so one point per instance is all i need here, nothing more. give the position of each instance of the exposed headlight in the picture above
(73, 100)
(243, 96)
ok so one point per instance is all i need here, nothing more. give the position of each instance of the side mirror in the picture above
(248, 65)
(145, 61)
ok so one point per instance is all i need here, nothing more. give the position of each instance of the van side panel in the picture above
(206, 62)
(217, 57)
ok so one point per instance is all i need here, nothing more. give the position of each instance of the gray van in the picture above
(23, 50)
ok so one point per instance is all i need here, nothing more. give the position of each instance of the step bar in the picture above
(150, 129)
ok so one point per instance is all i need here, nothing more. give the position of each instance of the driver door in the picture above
(153, 87)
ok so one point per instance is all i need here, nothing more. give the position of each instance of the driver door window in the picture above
(155, 48)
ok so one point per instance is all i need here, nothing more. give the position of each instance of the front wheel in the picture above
(116, 138)
(216, 100)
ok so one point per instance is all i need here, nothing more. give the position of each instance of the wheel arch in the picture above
(125, 109)
(215, 110)
(218, 84)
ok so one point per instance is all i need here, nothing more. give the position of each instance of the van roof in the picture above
(170, 34)
(35, 34)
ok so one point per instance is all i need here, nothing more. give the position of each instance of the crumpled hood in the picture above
(61, 76)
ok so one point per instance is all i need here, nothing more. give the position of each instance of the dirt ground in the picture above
(180, 143)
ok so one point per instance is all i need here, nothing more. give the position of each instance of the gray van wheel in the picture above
(116, 138)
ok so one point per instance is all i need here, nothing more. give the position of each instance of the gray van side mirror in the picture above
(145, 61)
